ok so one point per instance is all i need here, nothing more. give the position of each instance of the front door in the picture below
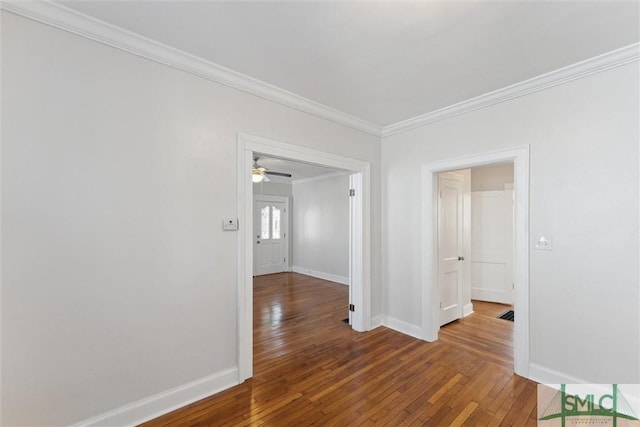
(270, 226)
(450, 188)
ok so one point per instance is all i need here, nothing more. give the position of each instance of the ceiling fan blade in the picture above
(288, 175)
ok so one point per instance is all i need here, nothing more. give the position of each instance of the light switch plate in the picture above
(230, 224)
(544, 243)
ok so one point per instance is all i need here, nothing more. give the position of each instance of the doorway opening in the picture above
(301, 224)
(475, 240)
(475, 257)
(491, 234)
(359, 237)
(431, 292)
(301, 219)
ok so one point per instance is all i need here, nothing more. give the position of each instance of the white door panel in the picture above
(450, 217)
(276, 254)
(449, 296)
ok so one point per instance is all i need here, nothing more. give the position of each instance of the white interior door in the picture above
(270, 249)
(450, 187)
(492, 246)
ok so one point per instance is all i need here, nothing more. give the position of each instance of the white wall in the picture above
(492, 246)
(117, 280)
(321, 228)
(273, 189)
(491, 178)
(584, 193)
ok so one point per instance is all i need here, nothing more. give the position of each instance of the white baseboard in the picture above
(544, 375)
(467, 309)
(402, 327)
(321, 275)
(376, 321)
(490, 295)
(159, 404)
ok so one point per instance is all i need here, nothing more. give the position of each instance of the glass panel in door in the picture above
(264, 222)
(275, 222)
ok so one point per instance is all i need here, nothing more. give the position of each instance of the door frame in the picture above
(429, 279)
(359, 240)
(285, 201)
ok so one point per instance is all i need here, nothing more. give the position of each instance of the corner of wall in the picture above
(376, 322)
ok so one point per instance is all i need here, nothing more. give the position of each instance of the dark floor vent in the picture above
(507, 315)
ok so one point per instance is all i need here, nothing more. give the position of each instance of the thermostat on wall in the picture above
(230, 224)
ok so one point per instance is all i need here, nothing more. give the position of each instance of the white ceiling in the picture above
(297, 170)
(382, 61)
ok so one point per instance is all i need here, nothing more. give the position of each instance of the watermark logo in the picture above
(616, 405)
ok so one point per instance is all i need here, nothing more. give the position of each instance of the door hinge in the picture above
(352, 192)
(352, 307)
(441, 305)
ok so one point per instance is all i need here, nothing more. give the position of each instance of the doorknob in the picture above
(460, 258)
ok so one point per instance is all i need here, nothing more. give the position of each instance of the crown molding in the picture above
(575, 71)
(67, 19)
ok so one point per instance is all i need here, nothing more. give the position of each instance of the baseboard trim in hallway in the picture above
(311, 368)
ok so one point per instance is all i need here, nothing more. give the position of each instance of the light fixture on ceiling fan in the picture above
(259, 173)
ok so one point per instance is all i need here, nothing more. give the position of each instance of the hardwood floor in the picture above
(484, 333)
(310, 368)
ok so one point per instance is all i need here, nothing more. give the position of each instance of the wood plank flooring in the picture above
(310, 368)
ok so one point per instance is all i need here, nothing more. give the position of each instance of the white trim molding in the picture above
(467, 309)
(597, 64)
(376, 322)
(67, 19)
(543, 375)
(162, 403)
(429, 279)
(343, 280)
(403, 327)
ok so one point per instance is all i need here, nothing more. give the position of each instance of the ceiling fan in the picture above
(259, 173)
